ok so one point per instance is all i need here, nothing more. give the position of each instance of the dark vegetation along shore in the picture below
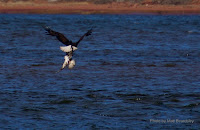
(162, 2)
(100, 6)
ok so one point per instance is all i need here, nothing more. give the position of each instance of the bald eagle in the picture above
(69, 47)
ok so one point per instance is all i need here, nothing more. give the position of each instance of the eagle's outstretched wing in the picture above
(58, 35)
(89, 32)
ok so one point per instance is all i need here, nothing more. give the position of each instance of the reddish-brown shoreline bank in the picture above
(88, 8)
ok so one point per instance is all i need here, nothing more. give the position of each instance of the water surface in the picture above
(132, 69)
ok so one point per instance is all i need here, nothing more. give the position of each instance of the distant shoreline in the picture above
(89, 8)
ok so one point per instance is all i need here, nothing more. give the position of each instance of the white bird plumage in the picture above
(65, 62)
(68, 48)
(71, 64)
(68, 61)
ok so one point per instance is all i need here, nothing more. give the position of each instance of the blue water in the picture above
(132, 69)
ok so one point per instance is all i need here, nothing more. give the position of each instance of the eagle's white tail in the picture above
(68, 48)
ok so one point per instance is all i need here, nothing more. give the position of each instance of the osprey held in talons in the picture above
(69, 48)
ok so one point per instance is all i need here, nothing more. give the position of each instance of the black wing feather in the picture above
(63, 39)
(59, 36)
(89, 32)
